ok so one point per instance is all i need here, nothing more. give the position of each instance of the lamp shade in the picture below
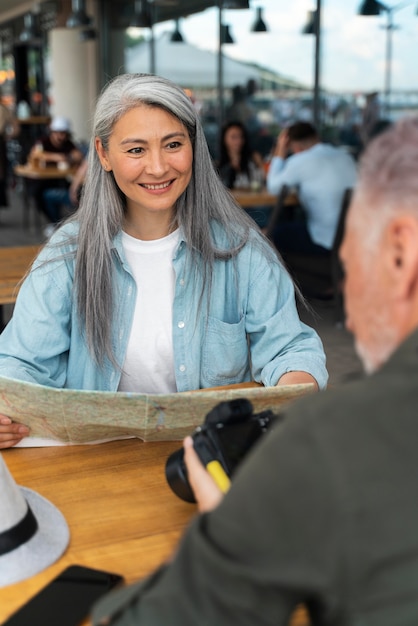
(29, 32)
(310, 26)
(88, 34)
(142, 14)
(78, 16)
(235, 4)
(259, 25)
(176, 36)
(226, 36)
(371, 7)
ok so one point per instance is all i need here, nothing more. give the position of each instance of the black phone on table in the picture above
(67, 599)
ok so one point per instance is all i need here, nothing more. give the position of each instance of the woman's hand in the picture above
(11, 432)
(206, 492)
(297, 378)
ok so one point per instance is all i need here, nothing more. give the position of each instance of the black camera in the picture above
(229, 431)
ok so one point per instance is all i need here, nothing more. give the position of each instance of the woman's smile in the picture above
(156, 186)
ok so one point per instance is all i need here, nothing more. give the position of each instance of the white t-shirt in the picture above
(149, 360)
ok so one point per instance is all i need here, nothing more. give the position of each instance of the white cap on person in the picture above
(60, 124)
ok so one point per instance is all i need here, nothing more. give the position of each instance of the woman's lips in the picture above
(156, 186)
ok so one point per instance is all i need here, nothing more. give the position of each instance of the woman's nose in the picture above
(156, 163)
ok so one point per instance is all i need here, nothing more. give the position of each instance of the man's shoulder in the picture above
(359, 407)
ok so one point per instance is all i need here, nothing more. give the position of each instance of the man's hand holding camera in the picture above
(207, 493)
(200, 472)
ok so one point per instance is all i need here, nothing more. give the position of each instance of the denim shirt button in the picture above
(181, 281)
(182, 368)
(180, 324)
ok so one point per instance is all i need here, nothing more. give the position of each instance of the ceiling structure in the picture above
(174, 9)
(164, 9)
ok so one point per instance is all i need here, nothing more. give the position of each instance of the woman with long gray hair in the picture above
(159, 282)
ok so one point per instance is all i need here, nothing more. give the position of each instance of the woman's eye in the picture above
(174, 144)
(135, 150)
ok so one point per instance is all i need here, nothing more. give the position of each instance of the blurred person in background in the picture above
(9, 128)
(321, 173)
(56, 149)
(240, 166)
(60, 201)
(371, 115)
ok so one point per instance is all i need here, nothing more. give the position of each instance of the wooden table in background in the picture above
(43, 173)
(123, 517)
(249, 198)
(14, 262)
(35, 120)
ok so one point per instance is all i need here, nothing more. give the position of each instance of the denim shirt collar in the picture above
(117, 246)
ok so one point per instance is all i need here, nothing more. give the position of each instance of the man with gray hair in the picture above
(323, 510)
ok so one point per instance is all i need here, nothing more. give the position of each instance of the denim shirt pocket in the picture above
(225, 354)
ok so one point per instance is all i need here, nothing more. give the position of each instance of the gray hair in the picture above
(101, 212)
(388, 178)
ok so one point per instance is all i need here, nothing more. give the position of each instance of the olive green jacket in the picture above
(324, 511)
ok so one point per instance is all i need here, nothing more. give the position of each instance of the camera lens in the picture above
(176, 475)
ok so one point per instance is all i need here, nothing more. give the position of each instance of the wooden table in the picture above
(14, 262)
(35, 120)
(28, 172)
(249, 198)
(122, 515)
(43, 173)
(262, 205)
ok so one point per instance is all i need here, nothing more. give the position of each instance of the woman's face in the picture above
(151, 157)
(234, 139)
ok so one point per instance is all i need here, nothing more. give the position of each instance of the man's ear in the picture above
(401, 252)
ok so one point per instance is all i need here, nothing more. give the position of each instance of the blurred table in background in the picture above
(14, 263)
(248, 198)
(261, 204)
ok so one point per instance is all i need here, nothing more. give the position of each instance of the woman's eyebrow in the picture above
(144, 141)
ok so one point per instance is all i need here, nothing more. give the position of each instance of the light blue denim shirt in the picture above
(247, 328)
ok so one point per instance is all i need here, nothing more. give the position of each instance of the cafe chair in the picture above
(319, 277)
(337, 273)
(286, 208)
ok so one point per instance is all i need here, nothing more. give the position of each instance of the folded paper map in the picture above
(73, 416)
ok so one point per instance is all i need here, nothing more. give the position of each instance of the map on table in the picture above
(79, 416)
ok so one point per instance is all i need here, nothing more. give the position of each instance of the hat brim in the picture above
(46, 546)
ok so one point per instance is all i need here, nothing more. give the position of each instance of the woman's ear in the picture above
(401, 251)
(102, 154)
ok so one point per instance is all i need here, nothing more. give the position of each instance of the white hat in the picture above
(33, 532)
(60, 124)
